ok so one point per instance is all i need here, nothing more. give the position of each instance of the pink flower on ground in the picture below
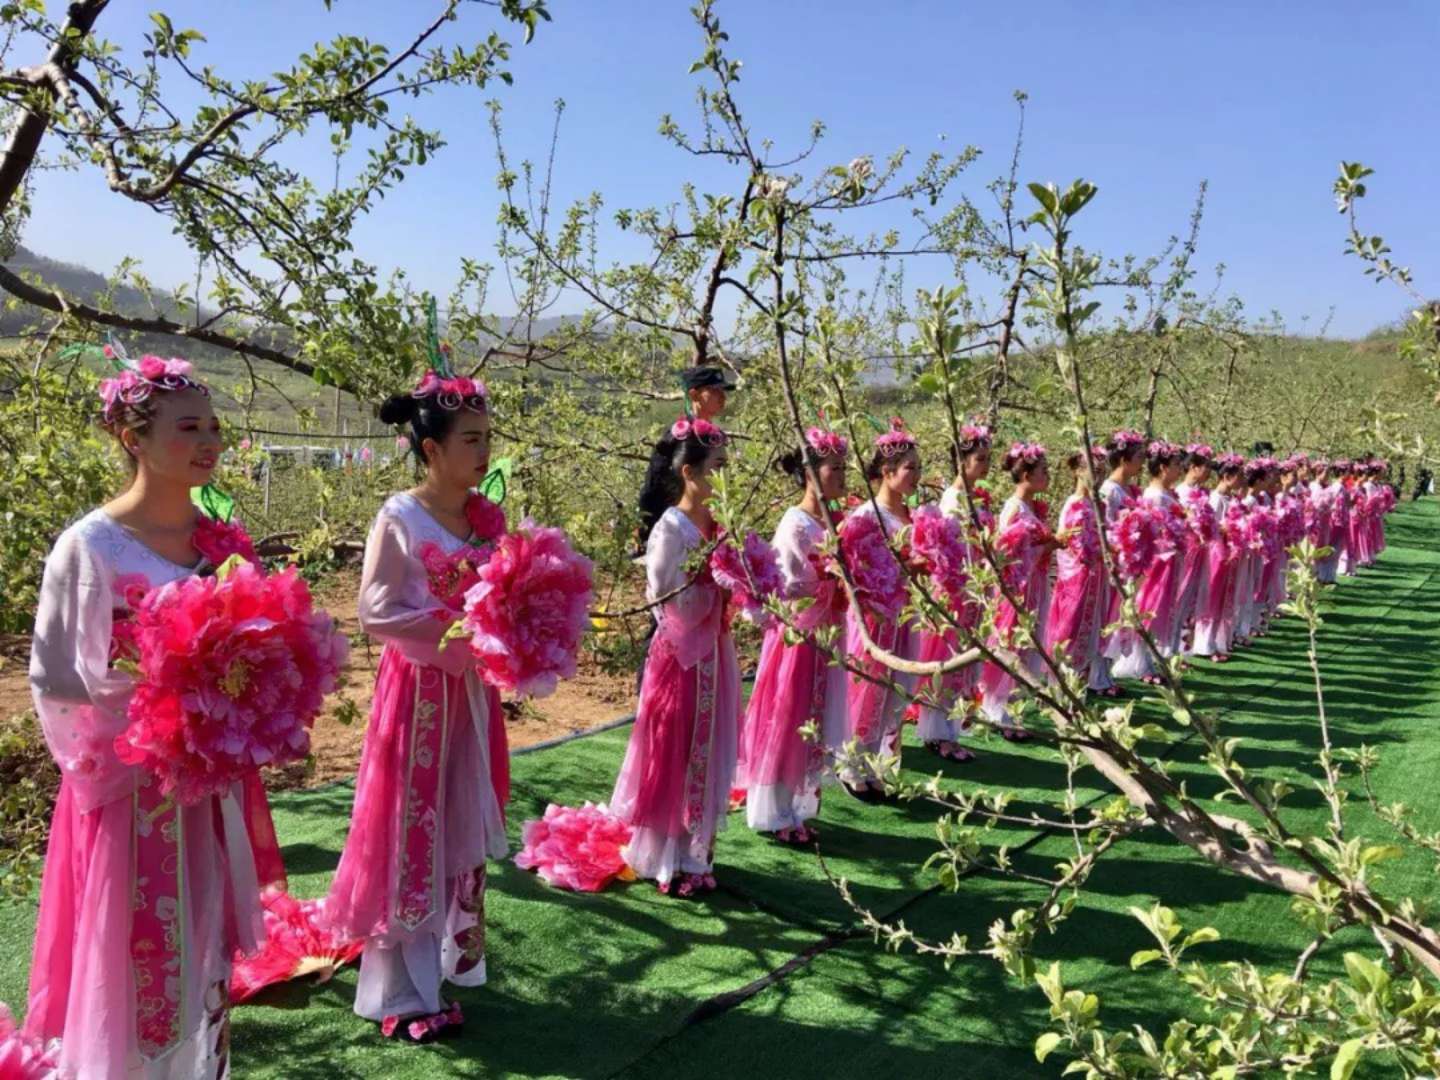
(575, 848)
(233, 672)
(751, 574)
(526, 614)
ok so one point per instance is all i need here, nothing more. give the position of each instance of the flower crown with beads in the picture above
(135, 381)
(1029, 453)
(978, 434)
(706, 433)
(896, 441)
(440, 383)
(1127, 440)
(828, 444)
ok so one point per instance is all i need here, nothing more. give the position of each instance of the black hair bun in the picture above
(399, 409)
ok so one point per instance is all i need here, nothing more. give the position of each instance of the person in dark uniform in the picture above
(706, 391)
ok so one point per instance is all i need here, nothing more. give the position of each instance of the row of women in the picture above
(144, 903)
(1208, 565)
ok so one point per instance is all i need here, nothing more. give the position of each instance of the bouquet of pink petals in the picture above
(750, 573)
(528, 609)
(938, 542)
(1137, 537)
(1200, 517)
(23, 1057)
(297, 943)
(877, 576)
(576, 848)
(232, 670)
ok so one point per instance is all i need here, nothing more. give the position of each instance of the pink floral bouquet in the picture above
(876, 574)
(750, 573)
(233, 670)
(576, 848)
(937, 542)
(297, 943)
(528, 609)
(1137, 538)
(23, 1057)
(1200, 517)
(218, 541)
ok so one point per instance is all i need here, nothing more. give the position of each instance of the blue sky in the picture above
(1145, 99)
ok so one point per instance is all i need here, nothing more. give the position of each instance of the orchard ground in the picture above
(774, 974)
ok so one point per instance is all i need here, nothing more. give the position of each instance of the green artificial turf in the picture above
(770, 976)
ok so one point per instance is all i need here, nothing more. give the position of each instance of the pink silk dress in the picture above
(1077, 605)
(1112, 646)
(1201, 527)
(432, 785)
(674, 786)
(1341, 533)
(1215, 614)
(943, 707)
(1158, 592)
(795, 685)
(874, 712)
(143, 904)
(1322, 522)
(1027, 575)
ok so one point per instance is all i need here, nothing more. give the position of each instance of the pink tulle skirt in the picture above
(779, 769)
(82, 986)
(996, 685)
(1156, 599)
(1076, 619)
(674, 786)
(1215, 614)
(467, 809)
(874, 710)
(1191, 594)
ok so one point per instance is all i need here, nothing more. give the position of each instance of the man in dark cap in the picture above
(706, 387)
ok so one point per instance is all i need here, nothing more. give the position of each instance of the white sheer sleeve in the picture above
(792, 546)
(394, 609)
(691, 618)
(81, 702)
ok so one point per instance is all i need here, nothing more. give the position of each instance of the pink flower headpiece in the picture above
(453, 392)
(827, 443)
(1200, 449)
(1322, 464)
(703, 430)
(137, 381)
(1229, 461)
(1340, 465)
(1293, 463)
(1098, 454)
(1029, 453)
(977, 434)
(1162, 448)
(1127, 440)
(896, 441)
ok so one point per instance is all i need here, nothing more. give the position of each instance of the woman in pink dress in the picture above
(945, 710)
(1323, 520)
(876, 699)
(1125, 458)
(1200, 523)
(1215, 616)
(144, 902)
(800, 684)
(434, 771)
(1157, 593)
(1024, 540)
(1076, 612)
(674, 786)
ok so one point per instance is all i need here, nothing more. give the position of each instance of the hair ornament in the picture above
(828, 444)
(897, 441)
(449, 390)
(706, 433)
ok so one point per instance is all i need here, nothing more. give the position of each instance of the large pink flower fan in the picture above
(750, 574)
(1200, 516)
(298, 942)
(1135, 538)
(576, 848)
(23, 1057)
(873, 568)
(528, 611)
(233, 671)
(937, 541)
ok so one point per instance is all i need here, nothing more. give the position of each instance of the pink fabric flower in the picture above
(827, 443)
(896, 441)
(1200, 516)
(233, 672)
(23, 1057)
(297, 943)
(452, 575)
(575, 848)
(874, 570)
(218, 540)
(703, 430)
(1135, 538)
(486, 519)
(528, 611)
(454, 393)
(135, 384)
(750, 574)
(936, 539)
